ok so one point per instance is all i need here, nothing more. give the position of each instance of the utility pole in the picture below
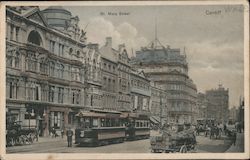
(161, 108)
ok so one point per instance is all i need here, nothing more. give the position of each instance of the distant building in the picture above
(168, 69)
(206, 109)
(233, 114)
(220, 98)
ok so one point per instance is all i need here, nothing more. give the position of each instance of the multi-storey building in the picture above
(109, 75)
(168, 69)
(123, 70)
(206, 109)
(219, 98)
(44, 67)
(140, 92)
(158, 103)
(93, 94)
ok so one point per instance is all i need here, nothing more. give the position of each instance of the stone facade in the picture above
(219, 97)
(45, 68)
(168, 69)
(158, 103)
(140, 92)
(109, 74)
(93, 94)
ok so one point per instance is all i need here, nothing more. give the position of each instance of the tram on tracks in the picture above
(100, 127)
(137, 126)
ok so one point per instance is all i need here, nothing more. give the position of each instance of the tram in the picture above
(99, 127)
(137, 126)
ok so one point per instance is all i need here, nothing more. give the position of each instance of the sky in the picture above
(212, 35)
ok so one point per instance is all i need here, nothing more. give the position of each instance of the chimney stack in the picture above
(109, 41)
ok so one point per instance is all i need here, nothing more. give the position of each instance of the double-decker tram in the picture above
(137, 126)
(99, 127)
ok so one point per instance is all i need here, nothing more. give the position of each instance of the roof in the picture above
(162, 55)
(109, 53)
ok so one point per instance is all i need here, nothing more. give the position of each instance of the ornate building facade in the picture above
(140, 92)
(168, 69)
(44, 68)
(109, 75)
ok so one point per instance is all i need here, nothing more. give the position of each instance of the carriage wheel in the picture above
(183, 149)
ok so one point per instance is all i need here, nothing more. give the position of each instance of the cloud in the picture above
(212, 63)
(100, 28)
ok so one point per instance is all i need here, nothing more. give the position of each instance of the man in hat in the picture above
(69, 134)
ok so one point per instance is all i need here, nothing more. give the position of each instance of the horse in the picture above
(214, 132)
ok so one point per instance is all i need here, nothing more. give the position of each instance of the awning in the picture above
(154, 119)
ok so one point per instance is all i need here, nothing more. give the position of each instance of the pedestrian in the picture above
(53, 132)
(62, 133)
(69, 134)
(234, 137)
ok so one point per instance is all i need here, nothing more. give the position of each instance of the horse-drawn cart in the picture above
(16, 135)
(171, 141)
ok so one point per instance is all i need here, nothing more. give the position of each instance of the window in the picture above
(61, 70)
(13, 59)
(11, 32)
(52, 46)
(95, 122)
(61, 50)
(60, 94)
(43, 66)
(56, 119)
(51, 93)
(52, 68)
(37, 93)
(75, 96)
(31, 62)
(91, 100)
(34, 38)
(11, 89)
(17, 33)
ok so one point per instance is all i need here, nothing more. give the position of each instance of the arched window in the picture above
(35, 38)
(70, 51)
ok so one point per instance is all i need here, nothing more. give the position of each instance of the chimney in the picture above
(121, 46)
(108, 41)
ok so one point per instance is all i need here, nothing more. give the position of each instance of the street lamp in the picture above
(30, 114)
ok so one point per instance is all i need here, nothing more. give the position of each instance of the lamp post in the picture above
(30, 114)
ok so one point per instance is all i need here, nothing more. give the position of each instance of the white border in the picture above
(72, 156)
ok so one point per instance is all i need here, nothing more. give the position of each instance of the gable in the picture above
(36, 15)
(142, 74)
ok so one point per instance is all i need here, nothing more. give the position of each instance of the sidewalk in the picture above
(50, 139)
(239, 145)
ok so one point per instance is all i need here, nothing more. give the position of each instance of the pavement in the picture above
(239, 145)
(207, 145)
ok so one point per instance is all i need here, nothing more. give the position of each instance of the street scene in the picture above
(103, 79)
